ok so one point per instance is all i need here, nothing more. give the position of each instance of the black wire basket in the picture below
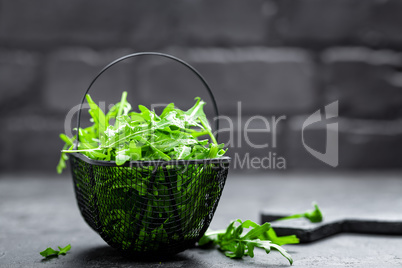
(149, 209)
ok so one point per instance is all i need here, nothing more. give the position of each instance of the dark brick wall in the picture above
(278, 57)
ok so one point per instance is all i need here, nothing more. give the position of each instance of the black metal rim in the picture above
(221, 160)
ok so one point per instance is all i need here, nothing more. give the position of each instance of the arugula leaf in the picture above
(267, 245)
(64, 250)
(62, 162)
(49, 252)
(98, 116)
(122, 103)
(197, 112)
(314, 215)
(280, 240)
(236, 245)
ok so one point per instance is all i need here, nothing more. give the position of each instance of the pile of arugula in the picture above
(139, 206)
(143, 135)
(235, 244)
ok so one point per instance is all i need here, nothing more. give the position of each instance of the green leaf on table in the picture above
(64, 250)
(235, 244)
(49, 252)
(267, 246)
(314, 215)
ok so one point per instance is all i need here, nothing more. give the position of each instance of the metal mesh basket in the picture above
(149, 208)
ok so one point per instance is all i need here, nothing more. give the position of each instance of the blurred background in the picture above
(278, 58)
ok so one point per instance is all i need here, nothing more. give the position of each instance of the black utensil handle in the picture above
(154, 54)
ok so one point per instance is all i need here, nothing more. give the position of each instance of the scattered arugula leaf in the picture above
(49, 252)
(64, 250)
(314, 215)
(235, 244)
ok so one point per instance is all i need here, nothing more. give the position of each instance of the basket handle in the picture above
(154, 54)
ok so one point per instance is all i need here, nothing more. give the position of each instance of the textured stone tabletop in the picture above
(40, 211)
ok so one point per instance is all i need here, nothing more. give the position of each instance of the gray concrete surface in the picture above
(37, 212)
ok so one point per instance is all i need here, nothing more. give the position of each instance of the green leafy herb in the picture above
(235, 244)
(314, 215)
(51, 252)
(156, 198)
(143, 135)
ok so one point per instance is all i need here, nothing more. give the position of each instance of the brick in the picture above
(316, 22)
(145, 25)
(367, 83)
(363, 144)
(265, 81)
(223, 22)
(18, 75)
(152, 24)
(95, 23)
(59, 21)
(155, 24)
(30, 143)
(70, 71)
(385, 23)
(321, 23)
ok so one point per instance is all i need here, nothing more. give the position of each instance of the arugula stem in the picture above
(313, 215)
(196, 134)
(195, 111)
(181, 153)
(295, 216)
(165, 156)
(122, 103)
(208, 233)
(210, 133)
(228, 242)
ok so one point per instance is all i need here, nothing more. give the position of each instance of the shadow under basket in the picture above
(149, 209)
